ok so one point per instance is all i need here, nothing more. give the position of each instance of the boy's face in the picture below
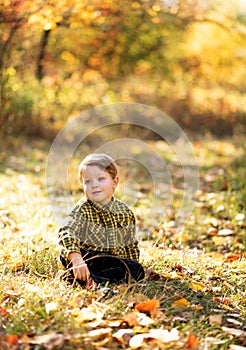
(98, 184)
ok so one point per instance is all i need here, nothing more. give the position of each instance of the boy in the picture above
(98, 241)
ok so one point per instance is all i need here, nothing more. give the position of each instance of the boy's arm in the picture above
(69, 237)
(80, 268)
(131, 243)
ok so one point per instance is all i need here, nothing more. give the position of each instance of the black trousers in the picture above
(105, 269)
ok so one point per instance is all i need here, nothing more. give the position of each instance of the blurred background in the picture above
(58, 58)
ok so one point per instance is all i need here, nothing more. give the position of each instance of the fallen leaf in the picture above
(181, 303)
(172, 275)
(227, 307)
(232, 257)
(212, 231)
(215, 319)
(226, 232)
(148, 305)
(162, 335)
(183, 269)
(94, 311)
(4, 312)
(192, 342)
(137, 319)
(197, 286)
(234, 331)
(197, 307)
(236, 347)
(222, 300)
(50, 341)
(97, 333)
(12, 339)
(52, 306)
(234, 322)
(240, 217)
(123, 335)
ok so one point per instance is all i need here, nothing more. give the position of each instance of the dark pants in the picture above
(105, 269)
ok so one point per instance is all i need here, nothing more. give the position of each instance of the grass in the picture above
(200, 263)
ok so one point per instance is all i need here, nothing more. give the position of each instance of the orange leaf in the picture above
(12, 339)
(232, 257)
(4, 312)
(148, 305)
(192, 342)
(223, 300)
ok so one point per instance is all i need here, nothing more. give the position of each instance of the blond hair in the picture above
(103, 161)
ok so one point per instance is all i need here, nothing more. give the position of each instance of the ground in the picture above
(194, 293)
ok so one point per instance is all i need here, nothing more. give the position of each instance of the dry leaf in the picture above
(148, 305)
(240, 217)
(98, 333)
(236, 347)
(232, 257)
(222, 300)
(226, 232)
(12, 339)
(161, 335)
(234, 331)
(196, 286)
(50, 341)
(172, 275)
(94, 311)
(192, 342)
(215, 319)
(52, 306)
(181, 303)
(137, 319)
(123, 335)
(197, 307)
(4, 312)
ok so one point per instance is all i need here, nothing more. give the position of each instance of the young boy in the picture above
(98, 242)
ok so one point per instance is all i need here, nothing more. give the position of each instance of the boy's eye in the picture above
(87, 181)
(101, 178)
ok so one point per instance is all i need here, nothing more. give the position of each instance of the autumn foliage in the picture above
(60, 58)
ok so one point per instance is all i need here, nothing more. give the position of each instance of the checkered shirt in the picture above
(110, 229)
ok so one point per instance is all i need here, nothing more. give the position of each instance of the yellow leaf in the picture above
(197, 307)
(181, 303)
(197, 286)
(172, 275)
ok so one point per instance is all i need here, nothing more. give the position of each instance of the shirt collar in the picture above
(103, 207)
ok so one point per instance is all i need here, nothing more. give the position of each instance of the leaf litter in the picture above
(194, 292)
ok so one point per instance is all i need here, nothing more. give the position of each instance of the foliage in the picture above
(59, 58)
(194, 292)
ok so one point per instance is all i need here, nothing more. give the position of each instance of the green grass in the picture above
(35, 301)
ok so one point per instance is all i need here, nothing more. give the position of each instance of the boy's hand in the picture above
(80, 269)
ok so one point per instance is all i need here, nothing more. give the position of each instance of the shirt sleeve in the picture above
(131, 243)
(70, 235)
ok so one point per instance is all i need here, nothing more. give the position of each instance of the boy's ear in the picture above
(115, 181)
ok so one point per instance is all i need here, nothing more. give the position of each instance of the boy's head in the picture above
(98, 175)
(102, 161)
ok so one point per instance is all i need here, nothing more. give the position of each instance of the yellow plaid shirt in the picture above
(110, 229)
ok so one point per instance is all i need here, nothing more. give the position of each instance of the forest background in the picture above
(59, 58)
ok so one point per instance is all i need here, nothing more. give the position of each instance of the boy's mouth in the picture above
(96, 192)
